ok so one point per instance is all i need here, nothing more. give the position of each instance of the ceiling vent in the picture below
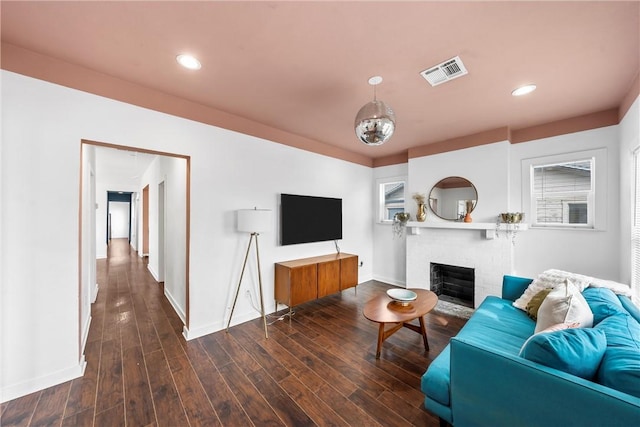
(448, 70)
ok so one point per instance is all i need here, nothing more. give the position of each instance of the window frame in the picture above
(596, 200)
(380, 191)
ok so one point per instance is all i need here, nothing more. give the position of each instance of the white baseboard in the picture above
(153, 273)
(22, 389)
(390, 281)
(85, 334)
(237, 319)
(95, 293)
(179, 311)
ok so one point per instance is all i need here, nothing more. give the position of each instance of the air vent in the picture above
(448, 70)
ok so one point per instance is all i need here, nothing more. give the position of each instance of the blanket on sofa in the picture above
(552, 278)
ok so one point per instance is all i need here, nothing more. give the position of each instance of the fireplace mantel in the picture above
(489, 228)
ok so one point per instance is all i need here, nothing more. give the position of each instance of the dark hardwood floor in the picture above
(321, 370)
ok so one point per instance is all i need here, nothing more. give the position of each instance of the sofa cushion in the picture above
(496, 323)
(631, 308)
(603, 303)
(575, 351)
(564, 304)
(620, 366)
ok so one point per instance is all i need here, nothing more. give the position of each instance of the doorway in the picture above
(145, 230)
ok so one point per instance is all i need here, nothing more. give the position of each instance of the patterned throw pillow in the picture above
(534, 304)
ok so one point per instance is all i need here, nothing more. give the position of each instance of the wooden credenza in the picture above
(302, 280)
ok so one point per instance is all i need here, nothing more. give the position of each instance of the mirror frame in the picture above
(475, 201)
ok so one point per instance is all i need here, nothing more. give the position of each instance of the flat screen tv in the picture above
(306, 219)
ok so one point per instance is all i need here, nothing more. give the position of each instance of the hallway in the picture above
(320, 371)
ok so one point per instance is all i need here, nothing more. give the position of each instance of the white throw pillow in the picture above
(565, 304)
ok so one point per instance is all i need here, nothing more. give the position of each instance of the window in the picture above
(567, 190)
(563, 193)
(391, 197)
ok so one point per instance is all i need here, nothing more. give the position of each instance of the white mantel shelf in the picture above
(489, 227)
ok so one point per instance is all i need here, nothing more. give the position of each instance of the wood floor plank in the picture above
(317, 365)
(348, 410)
(266, 360)
(223, 400)
(381, 413)
(319, 347)
(50, 407)
(286, 408)
(138, 403)
(295, 366)
(18, 412)
(111, 417)
(318, 410)
(320, 369)
(253, 403)
(197, 406)
(110, 383)
(82, 418)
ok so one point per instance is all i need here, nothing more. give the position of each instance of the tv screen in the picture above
(306, 219)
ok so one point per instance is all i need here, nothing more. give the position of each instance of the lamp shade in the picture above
(254, 220)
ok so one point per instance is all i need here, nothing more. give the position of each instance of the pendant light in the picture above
(375, 122)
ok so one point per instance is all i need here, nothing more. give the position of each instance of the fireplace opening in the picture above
(453, 284)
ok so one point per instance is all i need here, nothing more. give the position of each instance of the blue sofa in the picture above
(479, 379)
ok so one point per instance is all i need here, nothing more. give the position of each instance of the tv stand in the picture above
(302, 280)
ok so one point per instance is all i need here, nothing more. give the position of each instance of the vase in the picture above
(421, 215)
(467, 218)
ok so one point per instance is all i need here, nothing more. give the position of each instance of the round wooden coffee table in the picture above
(382, 309)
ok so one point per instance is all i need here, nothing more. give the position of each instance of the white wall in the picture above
(486, 166)
(173, 172)
(389, 251)
(88, 285)
(43, 125)
(591, 252)
(629, 134)
(119, 212)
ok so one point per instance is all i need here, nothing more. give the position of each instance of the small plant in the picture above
(419, 198)
(399, 223)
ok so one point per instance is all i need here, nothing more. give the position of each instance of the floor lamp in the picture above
(252, 221)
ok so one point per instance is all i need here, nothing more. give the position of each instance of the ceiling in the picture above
(302, 67)
(122, 169)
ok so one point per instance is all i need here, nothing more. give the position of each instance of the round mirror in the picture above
(452, 198)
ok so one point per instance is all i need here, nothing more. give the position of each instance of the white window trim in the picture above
(380, 182)
(599, 173)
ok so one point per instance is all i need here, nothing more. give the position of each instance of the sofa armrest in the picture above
(494, 388)
(513, 287)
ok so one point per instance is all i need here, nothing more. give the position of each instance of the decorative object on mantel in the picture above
(399, 223)
(513, 221)
(421, 215)
(376, 121)
(469, 207)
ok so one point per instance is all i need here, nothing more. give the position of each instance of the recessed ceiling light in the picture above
(188, 61)
(523, 90)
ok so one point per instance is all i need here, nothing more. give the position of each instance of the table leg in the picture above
(423, 331)
(380, 340)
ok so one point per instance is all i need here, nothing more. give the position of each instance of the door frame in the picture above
(84, 142)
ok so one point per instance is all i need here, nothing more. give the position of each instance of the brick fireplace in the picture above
(490, 259)
(453, 284)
